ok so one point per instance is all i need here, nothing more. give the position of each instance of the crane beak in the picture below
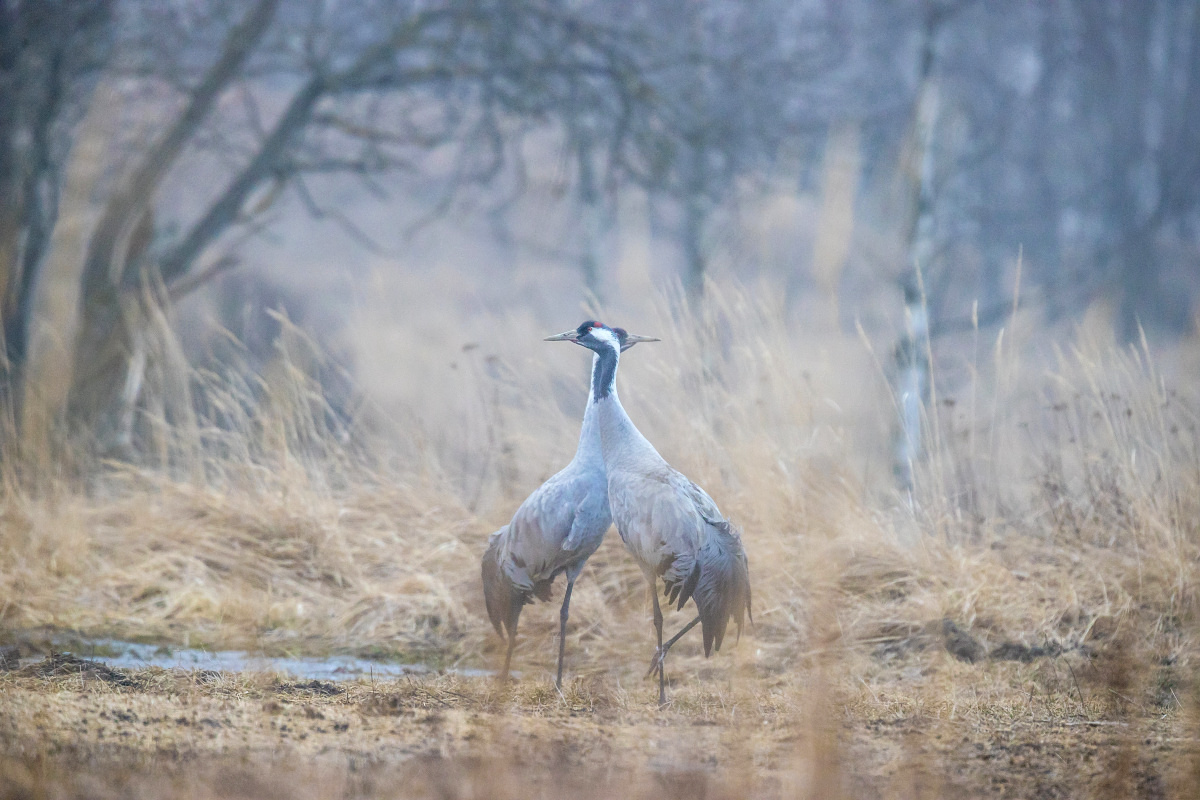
(632, 338)
(565, 336)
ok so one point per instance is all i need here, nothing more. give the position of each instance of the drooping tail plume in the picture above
(723, 590)
(503, 600)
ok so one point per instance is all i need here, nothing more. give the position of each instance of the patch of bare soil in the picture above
(71, 728)
(68, 665)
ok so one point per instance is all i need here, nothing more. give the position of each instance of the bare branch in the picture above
(225, 210)
(126, 205)
(193, 281)
(287, 129)
(342, 221)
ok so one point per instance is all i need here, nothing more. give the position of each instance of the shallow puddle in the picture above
(130, 655)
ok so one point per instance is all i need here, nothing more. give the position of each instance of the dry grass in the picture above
(1053, 538)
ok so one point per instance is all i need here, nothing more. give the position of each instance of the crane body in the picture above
(671, 526)
(553, 532)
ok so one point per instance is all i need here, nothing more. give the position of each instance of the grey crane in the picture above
(671, 526)
(555, 530)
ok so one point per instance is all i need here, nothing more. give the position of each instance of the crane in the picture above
(554, 531)
(670, 525)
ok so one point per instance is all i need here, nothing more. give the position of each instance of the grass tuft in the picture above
(1034, 599)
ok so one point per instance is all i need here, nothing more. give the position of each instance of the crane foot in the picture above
(656, 663)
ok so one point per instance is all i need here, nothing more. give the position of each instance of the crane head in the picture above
(595, 335)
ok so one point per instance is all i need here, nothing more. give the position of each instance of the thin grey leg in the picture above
(658, 626)
(656, 664)
(562, 632)
(512, 645)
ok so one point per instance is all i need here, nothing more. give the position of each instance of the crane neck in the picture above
(619, 439)
(604, 373)
(589, 450)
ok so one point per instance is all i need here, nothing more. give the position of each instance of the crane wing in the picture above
(552, 530)
(591, 521)
(662, 517)
(706, 507)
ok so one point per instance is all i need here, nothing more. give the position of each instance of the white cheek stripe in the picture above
(606, 336)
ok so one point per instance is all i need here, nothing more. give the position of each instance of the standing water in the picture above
(130, 655)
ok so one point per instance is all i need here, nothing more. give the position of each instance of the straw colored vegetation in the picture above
(1023, 625)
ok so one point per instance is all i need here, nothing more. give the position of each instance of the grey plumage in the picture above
(723, 590)
(670, 525)
(554, 531)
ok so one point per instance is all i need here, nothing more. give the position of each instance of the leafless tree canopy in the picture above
(1067, 132)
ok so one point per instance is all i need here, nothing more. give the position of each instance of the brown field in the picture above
(1024, 626)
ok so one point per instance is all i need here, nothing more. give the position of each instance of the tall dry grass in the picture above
(1057, 505)
(1041, 573)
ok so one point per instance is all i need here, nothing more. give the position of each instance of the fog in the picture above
(275, 279)
(405, 180)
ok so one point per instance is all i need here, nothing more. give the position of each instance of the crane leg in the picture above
(658, 625)
(512, 644)
(656, 664)
(562, 632)
(511, 626)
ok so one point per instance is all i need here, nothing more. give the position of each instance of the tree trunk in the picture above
(591, 217)
(113, 266)
(913, 370)
(1140, 304)
(56, 299)
(912, 388)
(835, 227)
(10, 196)
(47, 51)
(695, 268)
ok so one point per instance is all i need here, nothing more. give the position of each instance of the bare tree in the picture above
(1143, 81)
(50, 55)
(363, 92)
(694, 103)
(735, 84)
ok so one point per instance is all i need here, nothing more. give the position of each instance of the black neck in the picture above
(604, 373)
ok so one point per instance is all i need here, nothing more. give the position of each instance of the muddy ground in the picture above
(74, 728)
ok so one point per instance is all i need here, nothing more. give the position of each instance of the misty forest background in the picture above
(393, 198)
